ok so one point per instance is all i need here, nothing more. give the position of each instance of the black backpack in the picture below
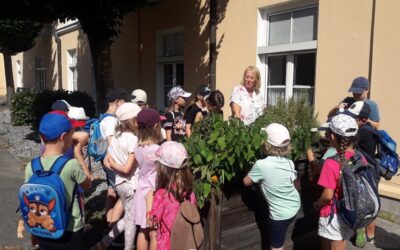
(360, 202)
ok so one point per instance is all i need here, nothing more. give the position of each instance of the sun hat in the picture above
(77, 113)
(359, 109)
(117, 93)
(139, 96)
(147, 118)
(359, 84)
(62, 105)
(278, 135)
(53, 125)
(176, 92)
(127, 111)
(343, 125)
(172, 154)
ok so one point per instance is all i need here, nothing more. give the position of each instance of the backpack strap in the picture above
(36, 165)
(59, 164)
(102, 116)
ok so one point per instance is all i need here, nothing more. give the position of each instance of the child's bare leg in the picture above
(153, 240)
(116, 212)
(143, 240)
(110, 202)
(338, 244)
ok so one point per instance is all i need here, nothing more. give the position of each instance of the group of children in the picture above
(148, 177)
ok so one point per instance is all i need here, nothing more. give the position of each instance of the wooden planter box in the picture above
(240, 221)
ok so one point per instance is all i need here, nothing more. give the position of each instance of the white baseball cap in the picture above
(344, 125)
(278, 135)
(77, 113)
(139, 96)
(127, 111)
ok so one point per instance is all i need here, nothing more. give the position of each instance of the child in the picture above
(121, 159)
(276, 175)
(197, 110)
(215, 101)
(334, 232)
(175, 125)
(149, 136)
(174, 185)
(56, 132)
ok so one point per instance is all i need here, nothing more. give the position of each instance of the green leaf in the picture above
(207, 189)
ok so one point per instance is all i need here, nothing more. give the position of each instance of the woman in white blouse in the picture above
(246, 101)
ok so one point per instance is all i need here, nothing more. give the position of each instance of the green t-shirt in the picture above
(72, 173)
(276, 176)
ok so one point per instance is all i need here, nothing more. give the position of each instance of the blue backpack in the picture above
(97, 146)
(386, 160)
(43, 200)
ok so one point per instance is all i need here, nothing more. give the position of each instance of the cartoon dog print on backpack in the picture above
(39, 213)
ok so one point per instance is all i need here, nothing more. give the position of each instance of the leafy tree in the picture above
(15, 36)
(99, 19)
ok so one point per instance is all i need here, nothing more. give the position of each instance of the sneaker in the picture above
(370, 240)
(361, 238)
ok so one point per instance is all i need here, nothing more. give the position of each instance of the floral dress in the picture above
(164, 211)
(251, 107)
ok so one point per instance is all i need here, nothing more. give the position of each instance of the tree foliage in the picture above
(18, 35)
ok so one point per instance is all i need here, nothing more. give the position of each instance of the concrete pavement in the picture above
(10, 179)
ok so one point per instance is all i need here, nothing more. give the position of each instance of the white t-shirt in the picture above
(108, 125)
(121, 146)
(251, 107)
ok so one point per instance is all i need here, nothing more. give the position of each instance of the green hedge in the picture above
(28, 107)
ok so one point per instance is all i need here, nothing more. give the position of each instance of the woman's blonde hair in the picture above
(256, 72)
(271, 150)
(149, 136)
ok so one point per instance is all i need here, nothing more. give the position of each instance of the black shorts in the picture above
(277, 231)
(110, 176)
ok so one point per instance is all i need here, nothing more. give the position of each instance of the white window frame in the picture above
(72, 57)
(162, 60)
(40, 73)
(290, 49)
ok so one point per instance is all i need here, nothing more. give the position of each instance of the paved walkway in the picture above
(10, 180)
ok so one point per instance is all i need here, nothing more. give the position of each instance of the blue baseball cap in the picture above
(359, 84)
(53, 125)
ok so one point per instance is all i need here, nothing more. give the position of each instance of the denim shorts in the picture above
(110, 176)
(277, 231)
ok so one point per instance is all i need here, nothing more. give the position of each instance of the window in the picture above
(40, 73)
(19, 74)
(170, 63)
(72, 70)
(287, 53)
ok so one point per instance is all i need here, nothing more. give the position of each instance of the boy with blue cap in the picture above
(56, 132)
(360, 89)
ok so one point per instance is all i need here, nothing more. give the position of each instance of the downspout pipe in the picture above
(213, 43)
(371, 46)
(58, 54)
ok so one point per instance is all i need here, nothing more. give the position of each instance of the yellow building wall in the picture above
(385, 87)
(77, 40)
(343, 50)
(3, 87)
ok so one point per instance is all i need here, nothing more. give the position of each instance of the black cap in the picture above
(61, 105)
(203, 90)
(118, 94)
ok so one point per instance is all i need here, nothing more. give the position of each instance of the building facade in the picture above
(310, 46)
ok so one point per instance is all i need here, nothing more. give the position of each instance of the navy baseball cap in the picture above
(60, 105)
(53, 125)
(118, 94)
(358, 109)
(359, 84)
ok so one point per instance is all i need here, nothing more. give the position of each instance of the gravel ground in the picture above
(23, 144)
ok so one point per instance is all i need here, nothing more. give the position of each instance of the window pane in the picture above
(168, 74)
(279, 29)
(298, 92)
(274, 94)
(169, 45)
(277, 70)
(304, 66)
(179, 44)
(305, 25)
(179, 74)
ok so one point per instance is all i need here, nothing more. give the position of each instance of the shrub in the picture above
(21, 107)
(222, 150)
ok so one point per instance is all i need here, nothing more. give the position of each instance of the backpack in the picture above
(187, 231)
(43, 200)
(360, 202)
(386, 160)
(97, 146)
